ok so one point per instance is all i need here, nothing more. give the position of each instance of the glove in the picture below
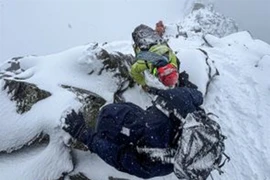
(75, 124)
(153, 90)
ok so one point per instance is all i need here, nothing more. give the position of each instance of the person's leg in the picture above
(125, 158)
(112, 145)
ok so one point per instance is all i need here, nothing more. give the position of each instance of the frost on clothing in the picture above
(144, 36)
(149, 128)
(152, 52)
(179, 100)
(142, 64)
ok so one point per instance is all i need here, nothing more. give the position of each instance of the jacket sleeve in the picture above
(173, 60)
(137, 72)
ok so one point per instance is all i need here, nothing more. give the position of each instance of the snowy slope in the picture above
(239, 96)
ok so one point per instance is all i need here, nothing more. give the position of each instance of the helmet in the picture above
(168, 75)
(144, 37)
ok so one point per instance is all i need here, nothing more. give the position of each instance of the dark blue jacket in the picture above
(123, 127)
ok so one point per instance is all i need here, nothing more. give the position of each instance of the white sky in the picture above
(49, 26)
(252, 15)
(43, 27)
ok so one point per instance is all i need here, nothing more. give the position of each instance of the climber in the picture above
(122, 128)
(153, 54)
(160, 28)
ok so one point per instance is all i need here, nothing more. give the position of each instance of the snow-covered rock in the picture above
(201, 21)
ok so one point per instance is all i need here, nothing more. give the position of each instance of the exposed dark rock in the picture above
(79, 176)
(212, 72)
(207, 43)
(198, 6)
(25, 94)
(180, 33)
(14, 64)
(116, 63)
(14, 68)
(205, 20)
(116, 178)
(119, 64)
(92, 102)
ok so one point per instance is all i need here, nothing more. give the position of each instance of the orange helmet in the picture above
(168, 75)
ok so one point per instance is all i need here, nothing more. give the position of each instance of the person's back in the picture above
(153, 54)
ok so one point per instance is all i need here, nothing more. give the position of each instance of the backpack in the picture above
(157, 55)
(200, 148)
(155, 59)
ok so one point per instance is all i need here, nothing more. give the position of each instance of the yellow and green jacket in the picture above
(140, 65)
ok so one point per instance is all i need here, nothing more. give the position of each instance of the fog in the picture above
(41, 27)
(252, 15)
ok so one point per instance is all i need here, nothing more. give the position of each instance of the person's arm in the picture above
(173, 60)
(137, 72)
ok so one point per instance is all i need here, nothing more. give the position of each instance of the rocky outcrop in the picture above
(203, 20)
(116, 63)
(212, 70)
(119, 64)
(25, 94)
(91, 103)
(79, 176)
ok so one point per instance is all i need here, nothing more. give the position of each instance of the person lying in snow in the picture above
(124, 132)
(153, 54)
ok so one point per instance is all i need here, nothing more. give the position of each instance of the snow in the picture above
(239, 96)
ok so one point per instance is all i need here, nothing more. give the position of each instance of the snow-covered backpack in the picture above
(157, 60)
(200, 148)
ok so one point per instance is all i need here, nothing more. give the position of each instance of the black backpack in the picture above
(200, 148)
